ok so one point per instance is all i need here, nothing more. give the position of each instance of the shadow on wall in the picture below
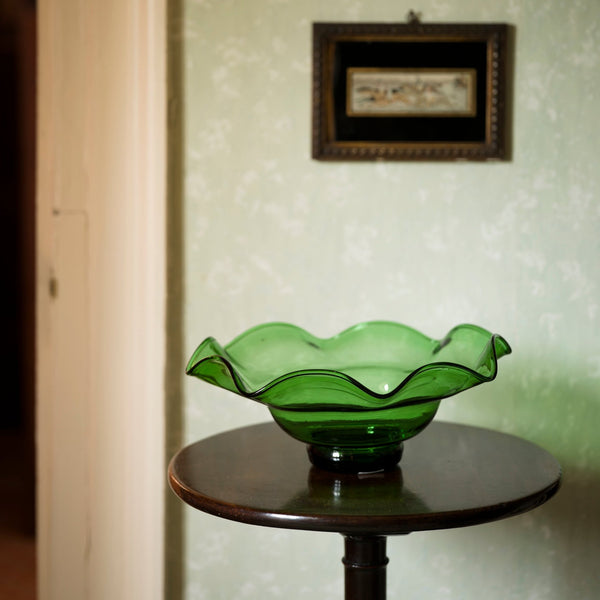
(570, 428)
(550, 552)
(174, 516)
(573, 521)
(557, 407)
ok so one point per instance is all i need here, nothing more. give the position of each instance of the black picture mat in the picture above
(413, 55)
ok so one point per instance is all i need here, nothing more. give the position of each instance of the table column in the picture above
(365, 567)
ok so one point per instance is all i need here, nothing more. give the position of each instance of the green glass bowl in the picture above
(355, 397)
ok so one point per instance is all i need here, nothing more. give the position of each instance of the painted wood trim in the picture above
(101, 298)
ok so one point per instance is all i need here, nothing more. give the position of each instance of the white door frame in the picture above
(101, 255)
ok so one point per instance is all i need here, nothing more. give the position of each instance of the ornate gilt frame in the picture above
(403, 51)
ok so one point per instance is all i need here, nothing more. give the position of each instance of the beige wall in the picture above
(513, 246)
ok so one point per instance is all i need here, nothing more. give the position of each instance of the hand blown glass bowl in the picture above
(355, 397)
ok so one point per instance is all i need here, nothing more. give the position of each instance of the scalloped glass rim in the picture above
(227, 366)
(355, 397)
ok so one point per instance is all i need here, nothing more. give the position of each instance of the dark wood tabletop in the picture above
(449, 476)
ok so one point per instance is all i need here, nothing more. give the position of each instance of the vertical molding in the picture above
(101, 342)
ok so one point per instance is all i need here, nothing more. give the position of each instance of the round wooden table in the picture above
(449, 476)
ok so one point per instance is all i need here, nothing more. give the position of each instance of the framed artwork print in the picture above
(412, 91)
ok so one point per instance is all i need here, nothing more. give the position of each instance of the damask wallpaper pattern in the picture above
(513, 246)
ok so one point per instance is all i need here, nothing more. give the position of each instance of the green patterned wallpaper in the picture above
(270, 234)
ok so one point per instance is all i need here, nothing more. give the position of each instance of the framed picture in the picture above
(409, 91)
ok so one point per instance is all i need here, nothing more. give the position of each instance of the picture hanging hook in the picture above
(414, 18)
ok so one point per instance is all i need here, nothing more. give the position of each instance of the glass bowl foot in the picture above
(355, 460)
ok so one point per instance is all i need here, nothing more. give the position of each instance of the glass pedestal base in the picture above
(355, 460)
